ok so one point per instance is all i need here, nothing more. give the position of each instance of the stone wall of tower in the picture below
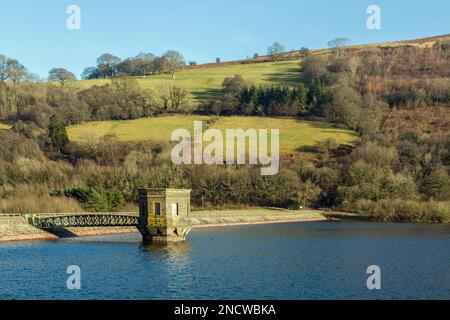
(172, 223)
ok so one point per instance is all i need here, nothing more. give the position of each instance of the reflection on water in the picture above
(175, 262)
(166, 249)
(284, 261)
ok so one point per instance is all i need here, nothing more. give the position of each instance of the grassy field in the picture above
(204, 84)
(295, 135)
(4, 126)
(156, 128)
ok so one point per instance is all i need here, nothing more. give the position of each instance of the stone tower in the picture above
(164, 214)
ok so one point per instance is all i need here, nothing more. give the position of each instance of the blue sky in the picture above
(35, 32)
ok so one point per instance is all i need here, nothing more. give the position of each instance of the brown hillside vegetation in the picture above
(299, 54)
(395, 97)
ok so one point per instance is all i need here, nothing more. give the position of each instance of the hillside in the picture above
(295, 135)
(393, 100)
(203, 82)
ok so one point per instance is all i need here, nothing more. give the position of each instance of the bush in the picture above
(14, 146)
(174, 100)
(241, 98)
(403, 210)
(96, 199)
(34, 198)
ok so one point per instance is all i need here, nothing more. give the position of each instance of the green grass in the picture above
(204, 83)
(4, 126)
(295, 135)
(156, 128)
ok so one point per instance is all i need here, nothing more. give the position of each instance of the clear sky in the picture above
(35, 32)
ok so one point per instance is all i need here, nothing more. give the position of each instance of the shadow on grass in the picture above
(310, 149)
(289, 76)
(207, 95)
(323, 125)
(340, 151)
(343, 150)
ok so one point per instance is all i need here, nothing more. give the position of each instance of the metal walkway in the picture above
(84, 220)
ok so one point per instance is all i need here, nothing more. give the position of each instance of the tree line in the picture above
(240, 97)
(396, 100)
(109, 65)
(14, 71)
(123, 98)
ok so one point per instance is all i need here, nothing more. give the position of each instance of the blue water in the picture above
(316, 260)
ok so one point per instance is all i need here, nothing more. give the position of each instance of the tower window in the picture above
(175, 209)
(157, 208)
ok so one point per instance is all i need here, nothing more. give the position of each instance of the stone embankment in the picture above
(228, 218)
(16, 227)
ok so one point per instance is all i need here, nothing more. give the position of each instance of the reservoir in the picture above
(306, 260)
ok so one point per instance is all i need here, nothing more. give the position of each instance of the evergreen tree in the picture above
(57, 132)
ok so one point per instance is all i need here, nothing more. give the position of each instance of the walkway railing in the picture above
(49, 221)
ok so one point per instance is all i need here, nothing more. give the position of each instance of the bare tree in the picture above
(61, 75)
(305, 51)
(161, 65)
(175, 60)
(3, 68)
(338, 45)
(276, 50)
(16, 71)
(107, 64)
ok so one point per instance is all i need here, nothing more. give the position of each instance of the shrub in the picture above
(34, 198)
(96, 199)
(404, 210)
